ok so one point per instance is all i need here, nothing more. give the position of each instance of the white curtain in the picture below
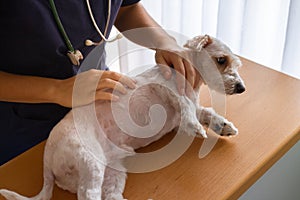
(265, 31)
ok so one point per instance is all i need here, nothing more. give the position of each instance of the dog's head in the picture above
(217, 65)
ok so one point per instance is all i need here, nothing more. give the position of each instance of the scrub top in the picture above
(31, 44)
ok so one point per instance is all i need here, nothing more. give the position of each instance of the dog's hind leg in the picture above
(114, 184)
(90, 178)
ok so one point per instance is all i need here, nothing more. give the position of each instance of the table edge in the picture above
(245, 183)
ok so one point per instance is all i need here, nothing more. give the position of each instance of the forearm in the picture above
(136, 17)
(149, 34)
(27, 89)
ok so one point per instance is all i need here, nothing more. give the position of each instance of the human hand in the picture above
(174, 56)
(91, 86)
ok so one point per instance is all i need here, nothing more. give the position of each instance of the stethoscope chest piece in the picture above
(75, 57)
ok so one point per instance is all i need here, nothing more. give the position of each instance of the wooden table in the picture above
(267, 116)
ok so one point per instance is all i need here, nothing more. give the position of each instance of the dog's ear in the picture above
(198, 42)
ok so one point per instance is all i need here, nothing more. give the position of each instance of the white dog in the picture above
(116, 129)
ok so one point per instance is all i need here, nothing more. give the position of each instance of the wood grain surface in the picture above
(267, 116)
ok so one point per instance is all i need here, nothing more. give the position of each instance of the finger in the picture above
(129, 82)
(189, 88)
(101, 95)
(110, 75)
(190, 73)
(198, 80)
(164, 68)
(111, 84)
(180, 75)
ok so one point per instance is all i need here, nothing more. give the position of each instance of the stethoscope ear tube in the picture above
(90, 42)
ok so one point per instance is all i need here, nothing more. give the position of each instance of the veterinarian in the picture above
(43, 44)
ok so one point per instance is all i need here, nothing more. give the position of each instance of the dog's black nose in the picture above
(239, 88)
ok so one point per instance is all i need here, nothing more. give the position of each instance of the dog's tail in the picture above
(45, 194)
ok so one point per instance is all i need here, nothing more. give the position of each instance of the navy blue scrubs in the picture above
(31, 44)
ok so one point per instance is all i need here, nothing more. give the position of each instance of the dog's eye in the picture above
(221, 60)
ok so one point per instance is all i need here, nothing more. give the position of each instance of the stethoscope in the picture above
(75, 55)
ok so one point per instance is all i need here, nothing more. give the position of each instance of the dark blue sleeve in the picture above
(129, 2)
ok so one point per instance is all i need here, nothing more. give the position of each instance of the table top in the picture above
(267, 116)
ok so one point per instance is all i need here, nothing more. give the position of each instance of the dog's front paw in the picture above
(222, 127)
(194, 129)
(229, 129)
(201, 132)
